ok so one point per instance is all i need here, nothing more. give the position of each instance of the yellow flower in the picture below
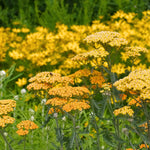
(124, 110)
(20, 68)
(86, 124)
(21, 82)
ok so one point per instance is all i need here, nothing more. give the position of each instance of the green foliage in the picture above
(48, 12)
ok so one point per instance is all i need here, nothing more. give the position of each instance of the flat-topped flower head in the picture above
(45, 80)
(137, 81)
(25, 126)
(134, 51)
(69, 91)
(106, 37)
(6, 120)
(43, 76)
(124, 111)
(38, 86)
(7, 106)
(96, 53)
(56, 101)
(76, 105)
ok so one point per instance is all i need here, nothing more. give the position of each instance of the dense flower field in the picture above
(79, 87)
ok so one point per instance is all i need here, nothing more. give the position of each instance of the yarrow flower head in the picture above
(137, 81)
(25, 126)
(6, 106)
(124, 111)
(106, 37)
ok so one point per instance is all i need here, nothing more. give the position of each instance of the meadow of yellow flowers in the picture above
(80, 87)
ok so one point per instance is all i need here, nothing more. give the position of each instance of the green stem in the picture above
(96, 127)
(59, 134)
(5, 140)
(24, 142)
(75, 133)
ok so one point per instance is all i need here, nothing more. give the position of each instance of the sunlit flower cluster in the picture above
(124, 111)
(137, 81)
(69, 91)
(118, 68)
(75, 106)
(25, 126)
(134, 51)
(106, 37)
(6, 106)
(95, 77)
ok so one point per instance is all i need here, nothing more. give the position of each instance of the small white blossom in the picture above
(5, 133)
(43, 101)
(55, 115)
(64, 118)
(77, 127)
(31, 111)
(32, 118)
(2, 73)
(23, 91)
(103, 147)
(16, 97)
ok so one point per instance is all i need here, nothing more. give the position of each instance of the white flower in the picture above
(2, 73)
(55, 115)
(5, 133)
(43, 101)
(16, 97)
(103, 147)
(23, 91)
(32, 118)
(125, 131)
(64, 118)
(31, 111)
(77, 127)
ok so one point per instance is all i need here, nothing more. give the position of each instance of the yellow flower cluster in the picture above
(6, 106)
(100, 52)
(136, 81)
(38, 86)
(46, 80)
(67, 104)
(81, 73)
(134, 51)
(6, 120)
(56, 101)
(59, 87)
(106, 37)
(118, 68)
(124, 111)
(69, 91)
(21, 82)
(75, 106)
(25, 126)
(43, 47)
(6, 37)
(96, 78)
(137, 102)
(50, 78)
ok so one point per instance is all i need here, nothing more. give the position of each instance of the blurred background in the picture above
(46, 13)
